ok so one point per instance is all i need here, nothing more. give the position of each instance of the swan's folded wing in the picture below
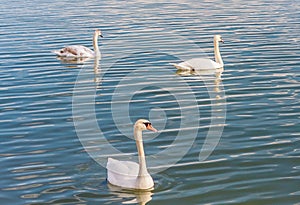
(122, 173)
(122, 167)
(202, 64)
(74, 51)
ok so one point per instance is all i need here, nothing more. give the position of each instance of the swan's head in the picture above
(98, 33)
(218, 38)
(143, 124)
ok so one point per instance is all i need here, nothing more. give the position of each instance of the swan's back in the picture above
(75, 51)
(198, 64)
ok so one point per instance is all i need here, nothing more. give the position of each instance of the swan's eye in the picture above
(147, 124)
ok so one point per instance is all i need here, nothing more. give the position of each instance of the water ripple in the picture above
(256, 160)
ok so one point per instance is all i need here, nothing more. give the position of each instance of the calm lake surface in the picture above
(224, 138)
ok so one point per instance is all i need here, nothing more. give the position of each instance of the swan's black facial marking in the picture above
(147, 124)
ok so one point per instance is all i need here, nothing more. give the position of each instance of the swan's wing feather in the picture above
(87, 50)
(202, 63)
(74, 51)
(123, 167)
(78, 50)
(122, 173)
(182, 66)
(198, 64)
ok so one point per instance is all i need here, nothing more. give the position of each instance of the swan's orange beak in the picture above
(149, 127)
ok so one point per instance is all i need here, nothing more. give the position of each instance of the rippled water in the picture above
(223, 139)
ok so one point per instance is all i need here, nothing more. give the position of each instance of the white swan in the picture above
(203, 63)
(131, 175)
(79, 51)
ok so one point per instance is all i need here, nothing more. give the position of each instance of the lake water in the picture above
(224, 138)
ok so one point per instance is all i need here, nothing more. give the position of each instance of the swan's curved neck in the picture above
(218, 57)
(95, 44)
(140, 147)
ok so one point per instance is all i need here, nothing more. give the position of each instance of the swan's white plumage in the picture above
(120, 171)
(127, 168)
(132, 175)
(197, 64)
(203, 63)
(79, 51)
(125, 174)
(73, 51)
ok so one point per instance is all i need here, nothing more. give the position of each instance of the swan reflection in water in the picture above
(74, 62)
(141, 197)
(97, 69)
(207, 76)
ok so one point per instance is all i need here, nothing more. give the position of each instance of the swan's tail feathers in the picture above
(57, 52)
(182, 66)
(176, 65)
